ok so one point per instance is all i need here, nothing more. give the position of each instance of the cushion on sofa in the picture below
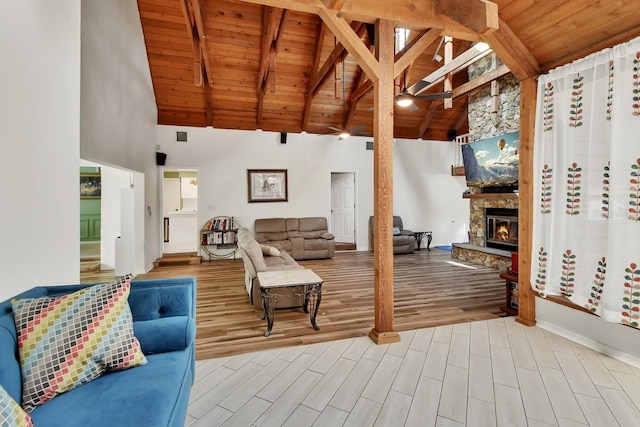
(269, 250)
(150, 395)
(11, 414)
(67, 341)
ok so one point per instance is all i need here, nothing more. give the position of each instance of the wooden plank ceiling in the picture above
(245, 65)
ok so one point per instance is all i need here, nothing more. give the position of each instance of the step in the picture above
(178, 259)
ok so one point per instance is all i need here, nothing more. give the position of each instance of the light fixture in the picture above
(404, 100)
(344, 135)
(481, 46)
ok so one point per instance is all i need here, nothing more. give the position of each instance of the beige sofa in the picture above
(303, 238)
(255, 260)
(404, 241)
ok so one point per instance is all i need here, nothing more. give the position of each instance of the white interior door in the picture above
(171, 195)
(343, 206)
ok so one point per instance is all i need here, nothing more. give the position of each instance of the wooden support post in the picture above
(448, 78)
(526, 296)
(495, 97)
(383, 331)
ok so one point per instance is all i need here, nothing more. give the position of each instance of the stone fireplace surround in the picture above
(475, 251)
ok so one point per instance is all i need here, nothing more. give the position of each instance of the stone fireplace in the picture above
(501, 229)
(493, 230)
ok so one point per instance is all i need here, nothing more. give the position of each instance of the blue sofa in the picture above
(156, 394)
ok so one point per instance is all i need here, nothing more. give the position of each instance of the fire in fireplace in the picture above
(501, 231)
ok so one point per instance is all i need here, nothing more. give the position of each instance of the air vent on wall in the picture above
(181, 136)
(369, 145)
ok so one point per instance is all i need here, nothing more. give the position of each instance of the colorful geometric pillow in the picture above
(11, 414)
(67, 341)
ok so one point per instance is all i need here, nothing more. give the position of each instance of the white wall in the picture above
(618, 341)
(40, 121)
(118, 110)
(426, 195)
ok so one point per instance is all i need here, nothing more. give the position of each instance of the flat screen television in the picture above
(492, 162)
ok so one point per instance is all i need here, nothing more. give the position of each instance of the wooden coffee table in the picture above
(302, 282)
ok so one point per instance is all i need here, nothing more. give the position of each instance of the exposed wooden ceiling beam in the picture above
(353, 102)
(195, 43)
(202, 35)
(322, 30)
(338, 53)
(408, 13)
(512, 52)
(480, 81)
(283, 19)
(270, 18)
(413, 50)
(431, 109)
(349, 39)
(479, 16)
(333, 4)
(461, 61)
(209, 105)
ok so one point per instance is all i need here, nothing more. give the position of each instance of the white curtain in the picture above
(586, 228)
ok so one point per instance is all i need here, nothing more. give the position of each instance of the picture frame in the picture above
(267, 185)
(90, 186)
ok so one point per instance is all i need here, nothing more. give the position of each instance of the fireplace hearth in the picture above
(501, 228)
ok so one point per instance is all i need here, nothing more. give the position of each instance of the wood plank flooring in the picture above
(485, 373)
(431, 289)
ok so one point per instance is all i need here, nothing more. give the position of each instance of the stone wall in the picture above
(476, 216)
(499, 262)
(482, 122)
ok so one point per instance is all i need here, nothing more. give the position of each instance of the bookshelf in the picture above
(219, 238)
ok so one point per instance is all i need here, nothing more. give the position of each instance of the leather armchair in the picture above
(403, 243)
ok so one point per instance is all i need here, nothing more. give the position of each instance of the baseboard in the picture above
(592, 344)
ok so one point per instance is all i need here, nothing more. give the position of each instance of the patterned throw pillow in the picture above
(67, 341)
(11, 414)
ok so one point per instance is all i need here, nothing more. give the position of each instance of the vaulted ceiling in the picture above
(276, 65)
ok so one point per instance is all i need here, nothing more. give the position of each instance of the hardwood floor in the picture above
(431, 289)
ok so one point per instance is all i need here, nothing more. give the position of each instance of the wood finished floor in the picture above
(484, 373)
(430, 289)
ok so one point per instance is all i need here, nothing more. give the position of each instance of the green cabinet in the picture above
(89, 220)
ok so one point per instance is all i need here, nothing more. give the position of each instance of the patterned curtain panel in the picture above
(586, 229)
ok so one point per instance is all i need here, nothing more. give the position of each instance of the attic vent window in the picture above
(181, 136)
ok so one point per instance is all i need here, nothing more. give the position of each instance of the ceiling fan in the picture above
(408, 95)
(344, 133)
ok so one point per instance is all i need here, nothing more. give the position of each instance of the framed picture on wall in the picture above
(90, 186)
(267, 185)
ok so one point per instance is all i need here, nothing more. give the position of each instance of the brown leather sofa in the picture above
(303, 238)
(404, 242)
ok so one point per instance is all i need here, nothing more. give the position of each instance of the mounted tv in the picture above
(492, 162)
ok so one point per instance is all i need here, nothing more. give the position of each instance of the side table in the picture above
(511, 307)
(305, 279)
(419, 235)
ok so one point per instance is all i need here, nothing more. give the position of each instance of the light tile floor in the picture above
(488, 373)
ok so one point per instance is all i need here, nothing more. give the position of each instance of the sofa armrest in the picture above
(406, 232)
(327, 236)
(297, 245)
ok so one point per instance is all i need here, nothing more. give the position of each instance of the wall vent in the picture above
(181, 136)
